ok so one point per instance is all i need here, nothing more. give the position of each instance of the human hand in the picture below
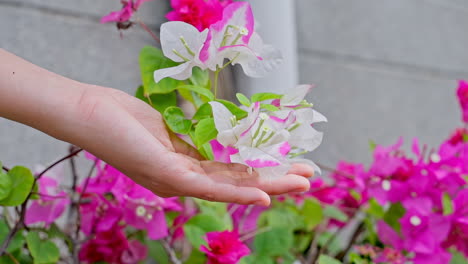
(130, 135)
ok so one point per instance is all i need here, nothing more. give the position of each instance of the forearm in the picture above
(36, 97)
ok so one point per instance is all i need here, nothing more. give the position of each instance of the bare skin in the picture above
(130, 135)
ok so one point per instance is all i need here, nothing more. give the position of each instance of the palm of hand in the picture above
(168, 166)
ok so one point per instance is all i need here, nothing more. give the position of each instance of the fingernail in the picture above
(300, 189)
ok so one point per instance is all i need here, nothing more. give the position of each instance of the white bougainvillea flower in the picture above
(233, 38)
(270, 141)
(181, 42)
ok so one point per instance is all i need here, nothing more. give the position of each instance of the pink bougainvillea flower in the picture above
(144, 210)
(458, 235)
(99, 213)
(123, 15)
(50, 205)
(222, 153)
(460, 135)
(244, 217)
(199, 13)
(105, 246)
(135, 253)
(462, 93)
(422, 229)
(224, 247)
(112, 247)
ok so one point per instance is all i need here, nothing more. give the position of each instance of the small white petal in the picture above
(179, 72)
(171, 33)
(296, 95)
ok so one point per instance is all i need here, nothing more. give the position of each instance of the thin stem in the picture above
(85, 186)
(170, 252)
(12, 258)
(351, 242)
(73, 168)
(147, 29)
(74, 153)
(5, 169)
(254, 233)
(216, 76)
(20, 223)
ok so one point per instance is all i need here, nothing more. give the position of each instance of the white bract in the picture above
(181, 42)
(270, 141)
(232, 38)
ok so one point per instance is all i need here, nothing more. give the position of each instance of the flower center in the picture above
(415, 220)
(140, 211)
(435, 157)
(386, 185)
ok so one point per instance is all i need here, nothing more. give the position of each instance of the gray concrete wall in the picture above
(383, 68)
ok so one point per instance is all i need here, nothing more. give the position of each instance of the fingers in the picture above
(302, 169)
(228, 193)
(285, 184)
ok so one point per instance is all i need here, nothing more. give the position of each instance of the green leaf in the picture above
(458, 258)
(21, 183)
(55, 232)
(157, 252)
(257, 259)
(176, 121)
(375, 209)
(199, 90)
(206, 151)
(17, 241)
(234, 109)
(324, 259)
(159, 102)
(447, 204)
(334, 213)
(356, 259)
(269, 107)
(243, 99)
(196, 257)
(204, 111)
(152, 59)
(280, 217)
(372, 145)
(275, 242)
(200, 77)
(217, 210)
(205, 131)
(258, 97)
(35, 192)
(195, 235)
(5, 185)
(465, 137)
(393, 215)
(42, 251)
(312, 213)
(208, 222)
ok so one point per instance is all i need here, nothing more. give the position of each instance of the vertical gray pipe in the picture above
(276, 24)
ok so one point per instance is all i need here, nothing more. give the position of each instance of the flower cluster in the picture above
(199, 13)
(125, 14)
(273, 135)
(425, 193)
(232, 38)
